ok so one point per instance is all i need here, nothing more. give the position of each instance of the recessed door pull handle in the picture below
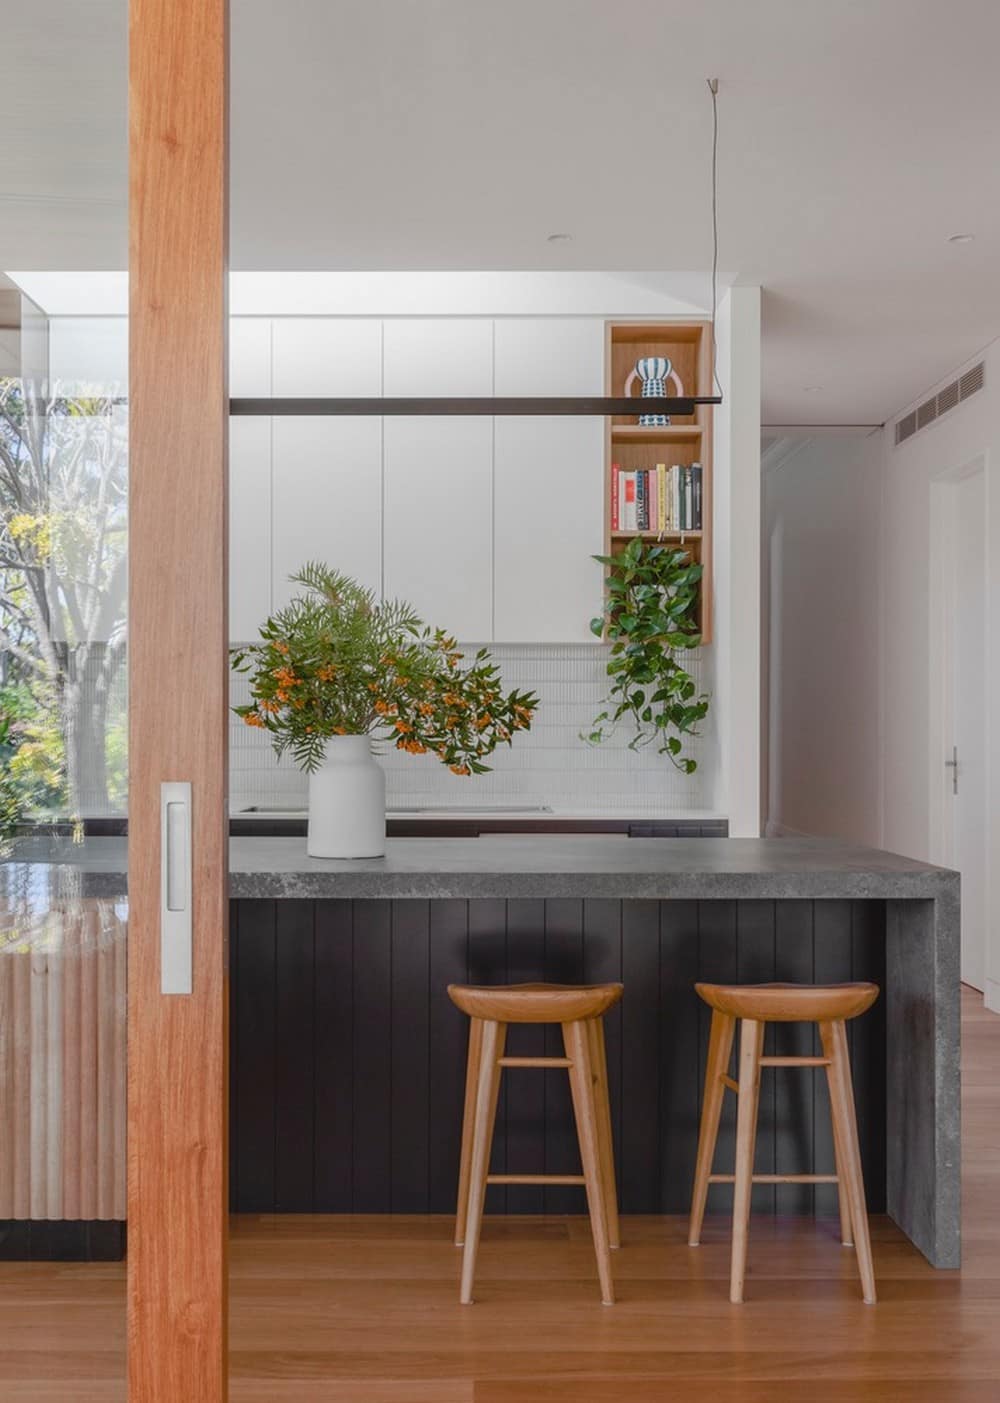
(175, 888)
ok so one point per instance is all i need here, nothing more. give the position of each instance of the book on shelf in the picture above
(660, 499)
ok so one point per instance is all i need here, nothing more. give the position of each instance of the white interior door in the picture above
(969, 816)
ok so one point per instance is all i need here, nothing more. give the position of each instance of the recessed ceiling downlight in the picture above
(961, 238)
(559, 239)
(811, 389)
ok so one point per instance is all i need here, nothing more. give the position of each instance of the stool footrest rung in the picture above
(794, 1062)
(777, 1179)
(535, 1179)
(730, 1083)
(534, 1062)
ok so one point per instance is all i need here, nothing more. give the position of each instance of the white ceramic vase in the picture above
(347, 801)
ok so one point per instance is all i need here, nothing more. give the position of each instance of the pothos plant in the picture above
(336, 662)
(648, 618)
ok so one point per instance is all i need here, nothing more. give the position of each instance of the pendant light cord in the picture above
(713, 88)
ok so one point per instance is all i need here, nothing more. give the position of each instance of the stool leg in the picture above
(751, 1047)
(834, 1038)
(846, 1230)
(599, 1069)
(494, 1036)
(584, 1106)
(720, 1046)
(468, 1125)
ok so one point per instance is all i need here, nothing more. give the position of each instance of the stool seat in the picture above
(789, 1003)
(535, 1003)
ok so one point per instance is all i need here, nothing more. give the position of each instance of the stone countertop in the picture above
(509, 866)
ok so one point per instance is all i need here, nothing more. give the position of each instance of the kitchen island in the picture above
(348, 1058)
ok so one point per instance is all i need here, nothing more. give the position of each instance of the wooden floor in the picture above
(363, 1310)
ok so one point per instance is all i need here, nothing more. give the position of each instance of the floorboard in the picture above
(364, 1310)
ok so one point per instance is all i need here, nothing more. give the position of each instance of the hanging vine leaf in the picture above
(649, 617)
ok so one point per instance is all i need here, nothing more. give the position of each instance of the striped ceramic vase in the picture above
(653, 373)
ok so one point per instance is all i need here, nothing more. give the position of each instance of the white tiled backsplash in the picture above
(548, 765)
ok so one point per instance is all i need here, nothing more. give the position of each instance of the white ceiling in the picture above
(856, 136)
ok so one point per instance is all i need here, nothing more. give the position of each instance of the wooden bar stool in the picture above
(580, 1011)
(756, 1005)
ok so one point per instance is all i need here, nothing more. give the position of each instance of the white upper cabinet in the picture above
(335, 356)
(549, 356)
(548, 523)
(249, 357)
(438, 521)
(438, 525)
(443, 356)
(548, 484)
(327, 498)
(249, 526)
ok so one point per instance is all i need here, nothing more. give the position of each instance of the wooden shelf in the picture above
(687, 440)
(657, 536)
(651, 433)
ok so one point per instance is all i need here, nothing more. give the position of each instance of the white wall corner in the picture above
(738, 559)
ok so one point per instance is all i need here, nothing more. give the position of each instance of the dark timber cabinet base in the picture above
(348, 1059)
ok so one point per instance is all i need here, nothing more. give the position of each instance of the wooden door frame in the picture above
(178, 692)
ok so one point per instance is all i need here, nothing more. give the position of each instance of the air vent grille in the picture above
(906, 427)
(947, 398)
(972, 381)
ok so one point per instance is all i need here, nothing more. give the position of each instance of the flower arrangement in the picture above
(648, 619)
(335, 662)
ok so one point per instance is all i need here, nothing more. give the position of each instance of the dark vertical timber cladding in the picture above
(449, 1044)
(563, 965)
(295, 1055)
(793, 1103)
(234, 1051)
(525, 1088)
(410, 1040)
(640, 1148)
(832, 964)
(372, 1055)
(602, 964)
(755, 965)
(334, 1081)
(349, 1059)
(868, 1050)
(488, 965)
(254, 1025)
(717, 964)
(679, 1105)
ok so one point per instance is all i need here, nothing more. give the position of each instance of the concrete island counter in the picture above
(348, 1059)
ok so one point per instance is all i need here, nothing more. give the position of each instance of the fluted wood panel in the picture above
(348, 1058)
(62, 1064)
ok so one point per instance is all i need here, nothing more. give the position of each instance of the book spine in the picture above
(628, 517)
(696, 476)
(661, 498)
(651, 497)
(688, 500)
(615, 517)
(641, 501)
(675, 498)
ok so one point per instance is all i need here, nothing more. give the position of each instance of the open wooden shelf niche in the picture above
(687, 439)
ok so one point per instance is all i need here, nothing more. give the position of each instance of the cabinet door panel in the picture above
(337, 356)
(249, 526)
(549, 356)
(249, 357)
(438, 520)
(438, 356)
(549, 521)
(327, 498)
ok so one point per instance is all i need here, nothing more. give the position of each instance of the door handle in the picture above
(952, 765)
(175, 888)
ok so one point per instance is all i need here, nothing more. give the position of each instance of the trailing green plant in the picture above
(10, 798)
(649, 617)
(337, 662)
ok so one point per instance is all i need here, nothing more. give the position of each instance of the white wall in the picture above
(911, 769)
(821, 647)
(736, 568)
